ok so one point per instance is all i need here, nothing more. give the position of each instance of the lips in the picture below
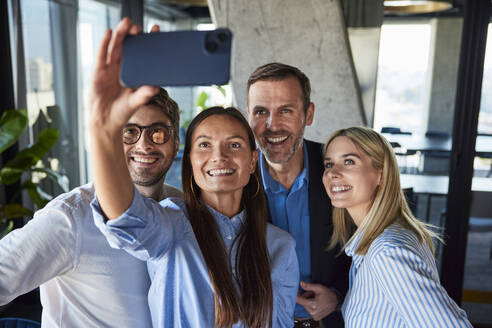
(277, 140)
(220, 172)
(340, 188)
(144, 160)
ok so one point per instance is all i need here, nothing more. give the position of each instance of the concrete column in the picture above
(363, 19)
(308, 34)
(442, 76)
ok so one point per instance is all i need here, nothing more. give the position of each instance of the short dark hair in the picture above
(164, 102)
(278, 72)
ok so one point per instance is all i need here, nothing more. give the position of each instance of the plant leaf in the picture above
(58, 178)
(30, 156)
(202, 98)
(9, 228)
(9, 175)
(221, 89)
(12, 124)
(14, 211)
(38, 196)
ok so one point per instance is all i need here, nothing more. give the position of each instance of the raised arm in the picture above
(111, 106)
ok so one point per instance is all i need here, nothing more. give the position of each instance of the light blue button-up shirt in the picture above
(396, 284)
(289, 210)
(181, 293)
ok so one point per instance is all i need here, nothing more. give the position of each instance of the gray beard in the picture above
(295, 148)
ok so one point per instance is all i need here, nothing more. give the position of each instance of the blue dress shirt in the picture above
(289, 211)
(181, 293)
(396, 284)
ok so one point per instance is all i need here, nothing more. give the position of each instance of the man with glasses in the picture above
(83, 281)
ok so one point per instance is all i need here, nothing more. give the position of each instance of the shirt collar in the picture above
(237, 219)
(272, 185)
(350, 248)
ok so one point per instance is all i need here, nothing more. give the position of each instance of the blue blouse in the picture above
(181, 293)
(396, 284)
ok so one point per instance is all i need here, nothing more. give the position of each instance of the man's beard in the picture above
(270, 155)
(138, 180)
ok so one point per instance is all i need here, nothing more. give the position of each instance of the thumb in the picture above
(310, 286)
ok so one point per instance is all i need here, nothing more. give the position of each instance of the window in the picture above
(402, 69)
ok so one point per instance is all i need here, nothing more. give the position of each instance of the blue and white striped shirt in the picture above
(396, 284)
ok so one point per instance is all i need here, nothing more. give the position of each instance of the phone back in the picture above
(181, 58)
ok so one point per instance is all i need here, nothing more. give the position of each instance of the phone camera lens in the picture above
(211, 46)
(222, 37)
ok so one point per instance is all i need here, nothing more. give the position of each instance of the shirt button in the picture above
(229, 237)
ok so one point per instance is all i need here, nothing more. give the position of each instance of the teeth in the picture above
(144, 159)
(340, 188)
(277, 139)
(220, 171)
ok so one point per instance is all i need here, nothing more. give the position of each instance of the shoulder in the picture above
(175, 209)
(276, 232)
(170, 191)
(394, 237)
(314, 149)
(76, 201)
(173, 203)
(278, 238)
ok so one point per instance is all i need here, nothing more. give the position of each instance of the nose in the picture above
(219, 154)
(334, 172)
(144, 143)
(272, 121)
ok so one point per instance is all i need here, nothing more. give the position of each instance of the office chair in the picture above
(18, 323)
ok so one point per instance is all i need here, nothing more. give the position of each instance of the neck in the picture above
(154, 191)
(358, 215)
(228, 204)
(286, 173)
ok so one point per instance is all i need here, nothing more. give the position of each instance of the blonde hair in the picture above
(389, 205)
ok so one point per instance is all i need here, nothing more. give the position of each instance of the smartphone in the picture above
(180, 58)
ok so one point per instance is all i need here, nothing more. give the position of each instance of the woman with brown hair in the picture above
(213, 259)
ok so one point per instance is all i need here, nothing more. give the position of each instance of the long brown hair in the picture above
(252, 264)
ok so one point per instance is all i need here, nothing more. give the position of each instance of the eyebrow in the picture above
(153, 123)
(230, 137)
(345, 155)
(257, 107)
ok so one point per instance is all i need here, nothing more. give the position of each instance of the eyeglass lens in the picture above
(157, 133)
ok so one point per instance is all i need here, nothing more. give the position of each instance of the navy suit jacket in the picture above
(328, 267)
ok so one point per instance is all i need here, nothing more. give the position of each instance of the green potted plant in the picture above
(30, 160)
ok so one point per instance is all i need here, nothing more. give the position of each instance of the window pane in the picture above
(38, 57)
(94, 19)
(403, 61)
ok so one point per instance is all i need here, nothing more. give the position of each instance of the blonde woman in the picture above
(393, 278)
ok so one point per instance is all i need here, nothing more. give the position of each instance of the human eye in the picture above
(260, 112)
(328, 165)
(130, 130)
(349, 161)
(235, 145)
(285, 111)
(203, 144)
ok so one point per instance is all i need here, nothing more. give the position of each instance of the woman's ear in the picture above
(380, 180)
